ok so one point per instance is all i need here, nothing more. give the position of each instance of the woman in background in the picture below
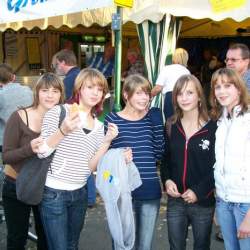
(168, 77)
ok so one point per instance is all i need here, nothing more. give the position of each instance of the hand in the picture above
(70, 123)
(172, 189)
(128, 155)
(36, 144)
(189, 196)
(244, 229)
(112, 132)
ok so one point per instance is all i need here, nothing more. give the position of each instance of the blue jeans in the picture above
(230, 215)
(91, 190)
(146, 214)
(179, 215)
(63, 214)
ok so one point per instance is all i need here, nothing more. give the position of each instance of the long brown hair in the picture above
(48, 80)
(234, 78)
(202, 107)
(96, 78)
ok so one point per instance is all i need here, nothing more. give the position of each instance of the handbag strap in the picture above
(62, 114)
(61, 118)
(26, 115)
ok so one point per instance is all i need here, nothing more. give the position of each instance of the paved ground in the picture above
(95, 234)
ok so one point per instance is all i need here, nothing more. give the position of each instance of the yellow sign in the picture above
(124, 3)
(33, 49)
(225, 5)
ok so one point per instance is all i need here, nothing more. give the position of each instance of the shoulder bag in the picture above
(30, 181)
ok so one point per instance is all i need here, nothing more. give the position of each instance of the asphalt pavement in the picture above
(95, 234)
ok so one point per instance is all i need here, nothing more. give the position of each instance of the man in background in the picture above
(65, 64)
(104, 62)
(136, 65)
(12, 96)
(238, 58)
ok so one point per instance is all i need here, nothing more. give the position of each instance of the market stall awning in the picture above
(72, 13)
(208, 28)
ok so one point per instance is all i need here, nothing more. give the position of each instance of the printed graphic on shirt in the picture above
(205, 144)
(107, 176)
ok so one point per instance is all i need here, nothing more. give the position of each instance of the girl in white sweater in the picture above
(79, 144)
(229, 101)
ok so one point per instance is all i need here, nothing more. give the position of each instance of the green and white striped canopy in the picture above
(158, 42)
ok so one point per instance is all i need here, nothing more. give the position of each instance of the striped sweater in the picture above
(146, 139)
(69, 168)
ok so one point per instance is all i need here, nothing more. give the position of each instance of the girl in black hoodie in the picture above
(188, 172)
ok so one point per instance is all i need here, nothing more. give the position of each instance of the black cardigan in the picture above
(190, 163)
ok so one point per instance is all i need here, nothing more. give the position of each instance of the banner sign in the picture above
(225, 5)
(24, 10)
(124, 3)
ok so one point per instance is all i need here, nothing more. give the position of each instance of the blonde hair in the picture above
(132, 83)
(180, 56)
(202, 107)
(234, 78)
(96, 78)
(48, 80)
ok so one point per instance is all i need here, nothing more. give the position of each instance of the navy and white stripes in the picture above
(146, 139)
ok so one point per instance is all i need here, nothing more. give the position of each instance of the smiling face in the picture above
(187, 98)
(48, 97)
(226, 93)
(139, 100)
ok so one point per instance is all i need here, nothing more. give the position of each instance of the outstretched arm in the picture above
(156, 90)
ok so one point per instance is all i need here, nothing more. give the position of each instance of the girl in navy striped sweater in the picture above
(141, 129)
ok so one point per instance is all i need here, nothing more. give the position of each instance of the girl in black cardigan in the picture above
(188, 172)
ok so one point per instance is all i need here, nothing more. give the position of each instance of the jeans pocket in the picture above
(243, 208)
(50, 195)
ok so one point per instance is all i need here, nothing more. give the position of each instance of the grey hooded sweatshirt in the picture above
(115, 180)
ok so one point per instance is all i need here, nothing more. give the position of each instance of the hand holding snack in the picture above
(75, 108)
(72, 120)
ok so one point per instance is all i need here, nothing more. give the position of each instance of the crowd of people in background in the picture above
(200, 138)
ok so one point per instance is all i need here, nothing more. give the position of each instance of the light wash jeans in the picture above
(230, 215)
(63, 214)
(91, 190)
(146, 214)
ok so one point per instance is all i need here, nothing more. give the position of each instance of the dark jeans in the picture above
(179, 215)
(63, 214)
(168, 109)
(17, 216)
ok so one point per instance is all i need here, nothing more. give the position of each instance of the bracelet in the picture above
(62, 131)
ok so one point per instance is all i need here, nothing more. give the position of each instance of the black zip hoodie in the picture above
(189, 163)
